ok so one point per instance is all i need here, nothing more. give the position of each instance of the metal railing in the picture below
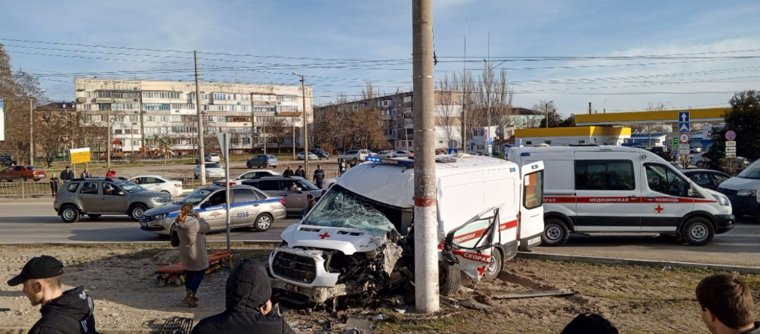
(24, 189)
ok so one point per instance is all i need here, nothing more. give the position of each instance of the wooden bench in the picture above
(174, 274)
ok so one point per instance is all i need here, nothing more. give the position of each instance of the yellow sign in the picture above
(79, 155)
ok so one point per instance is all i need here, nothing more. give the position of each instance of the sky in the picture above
(619, 55)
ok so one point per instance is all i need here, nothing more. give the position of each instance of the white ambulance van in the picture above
(613, 189)
(358, 239)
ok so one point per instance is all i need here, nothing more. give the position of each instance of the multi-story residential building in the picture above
(396, 116)
(142, 111)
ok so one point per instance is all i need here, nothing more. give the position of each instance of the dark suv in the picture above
(293, 189)
(104, 196)
(262, 161)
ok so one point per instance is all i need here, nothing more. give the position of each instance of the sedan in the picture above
(159, 183)
(706, 178)
(294, 190)
(250, 208)
(262, 161)
(213, 170)
(257, 174)
(213, 157)
(312, 156)
(22, 173)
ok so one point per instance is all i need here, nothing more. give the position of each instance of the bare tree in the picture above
(449, 109)
(278, 130)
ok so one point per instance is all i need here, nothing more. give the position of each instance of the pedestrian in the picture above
(288, 172)
(248, 306)
(68, 311)
(590, 323)
(85, 174)
(353, 163)
(727, 306)
(310, 203)
(342, 167)
(54, 185)
(300, 172)
(111, 173)
(191, 231)
(67, 174)
(319, 177)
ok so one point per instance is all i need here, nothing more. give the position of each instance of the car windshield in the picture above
(196, 196)
(751, 172)
(305, 185)
(342, 208)
(130, 186)
(212, 165)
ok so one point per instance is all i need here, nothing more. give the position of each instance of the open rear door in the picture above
(531, 224)
(471, 244)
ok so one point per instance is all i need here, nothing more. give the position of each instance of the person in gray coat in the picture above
(192, 251)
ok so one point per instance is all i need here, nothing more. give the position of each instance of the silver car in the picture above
(103, 196)
(250, 207)
(293, 189)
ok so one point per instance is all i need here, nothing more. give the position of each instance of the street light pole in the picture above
(108, 144)
(31, 131)
(305, 126)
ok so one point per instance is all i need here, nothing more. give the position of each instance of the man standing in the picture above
(62, 311)
(85, 174)
(249, 308)
(319, 176)
(300, 172)
(727, 305)
(288, 172)
(53, 185)
(67, 174)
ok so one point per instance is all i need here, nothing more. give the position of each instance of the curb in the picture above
(638, 262)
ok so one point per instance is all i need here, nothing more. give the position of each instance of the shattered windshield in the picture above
(342, 208)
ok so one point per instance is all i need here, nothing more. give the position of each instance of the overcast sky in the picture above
(619, 55)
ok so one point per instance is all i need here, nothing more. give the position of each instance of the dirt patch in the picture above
(121, 279)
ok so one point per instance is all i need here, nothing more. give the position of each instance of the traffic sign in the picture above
(731, 144)
(684, 138)
(675, 143)
(730, 135)
(683, 121)
(730, 154)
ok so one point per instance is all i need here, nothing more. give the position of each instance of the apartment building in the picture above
(142, 111)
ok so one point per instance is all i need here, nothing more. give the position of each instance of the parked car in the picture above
(743, 189)
(404, 154)
(262, 161)
(294, 189)
(706, 178)
(320, 153)
(159, 183)
(256, 174)
(386, 153)
(312, 156)
(213, 157)
(735, 165)
(22, 173)
(213, 170)
(354, 154)
(250, 208)
(103, 196)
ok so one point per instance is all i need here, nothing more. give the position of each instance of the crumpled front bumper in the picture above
(319, 294)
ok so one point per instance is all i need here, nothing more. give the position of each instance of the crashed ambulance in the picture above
(358, 239)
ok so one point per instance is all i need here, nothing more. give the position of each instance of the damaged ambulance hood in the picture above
(346, 240)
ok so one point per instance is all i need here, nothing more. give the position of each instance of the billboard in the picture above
(2, 120)
(79, 155)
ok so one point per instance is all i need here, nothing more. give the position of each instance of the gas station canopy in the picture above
(708, 115)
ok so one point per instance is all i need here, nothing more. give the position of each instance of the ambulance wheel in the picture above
(496, 264)
(449, 278)
(555, 232)
(697, 231)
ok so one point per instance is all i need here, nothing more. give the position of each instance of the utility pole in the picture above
(293, 133)
(464, 92)
(201, 153)
(108, 144)
(426, 224)
(143, 149)
(31, 131)
(253, 127)
(305, 127)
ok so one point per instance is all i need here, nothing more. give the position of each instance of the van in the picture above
(358, 239)
(742, 191)
(613, 189)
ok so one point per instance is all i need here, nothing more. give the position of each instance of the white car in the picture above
(312, 156)
(213, 170)
(159, 183)
(355, 154)
(387, 154)
(257, 174)
(213, 157)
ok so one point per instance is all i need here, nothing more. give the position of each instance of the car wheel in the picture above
(93, 215)
(263, 222)
(496, 264)
(70, 214)
(449, 278)
(555, 232)
(697, 231)
(137, 210)
(166, 192)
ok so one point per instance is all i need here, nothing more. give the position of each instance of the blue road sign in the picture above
(683, 121)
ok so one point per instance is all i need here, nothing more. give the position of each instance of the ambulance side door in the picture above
(531, 223)
(471, 244)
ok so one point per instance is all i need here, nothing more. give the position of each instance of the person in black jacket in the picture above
(63, 312)
(67, 174)
(248, 305)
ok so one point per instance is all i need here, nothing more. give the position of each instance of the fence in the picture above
(24, 189)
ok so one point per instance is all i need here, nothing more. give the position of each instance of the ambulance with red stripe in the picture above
(613, 189)
(358, 239)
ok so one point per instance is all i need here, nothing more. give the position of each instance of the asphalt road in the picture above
(33, 221)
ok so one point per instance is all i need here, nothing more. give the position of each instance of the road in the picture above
(33, 221)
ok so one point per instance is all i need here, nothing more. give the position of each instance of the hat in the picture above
(39, 267)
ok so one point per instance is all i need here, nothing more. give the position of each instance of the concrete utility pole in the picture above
(31, 131)
(108, 137)
(426, 224)
(253, 127)
(464, 92)
(201, 152)
(293, 133)
(305, 127)
(143, 149)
